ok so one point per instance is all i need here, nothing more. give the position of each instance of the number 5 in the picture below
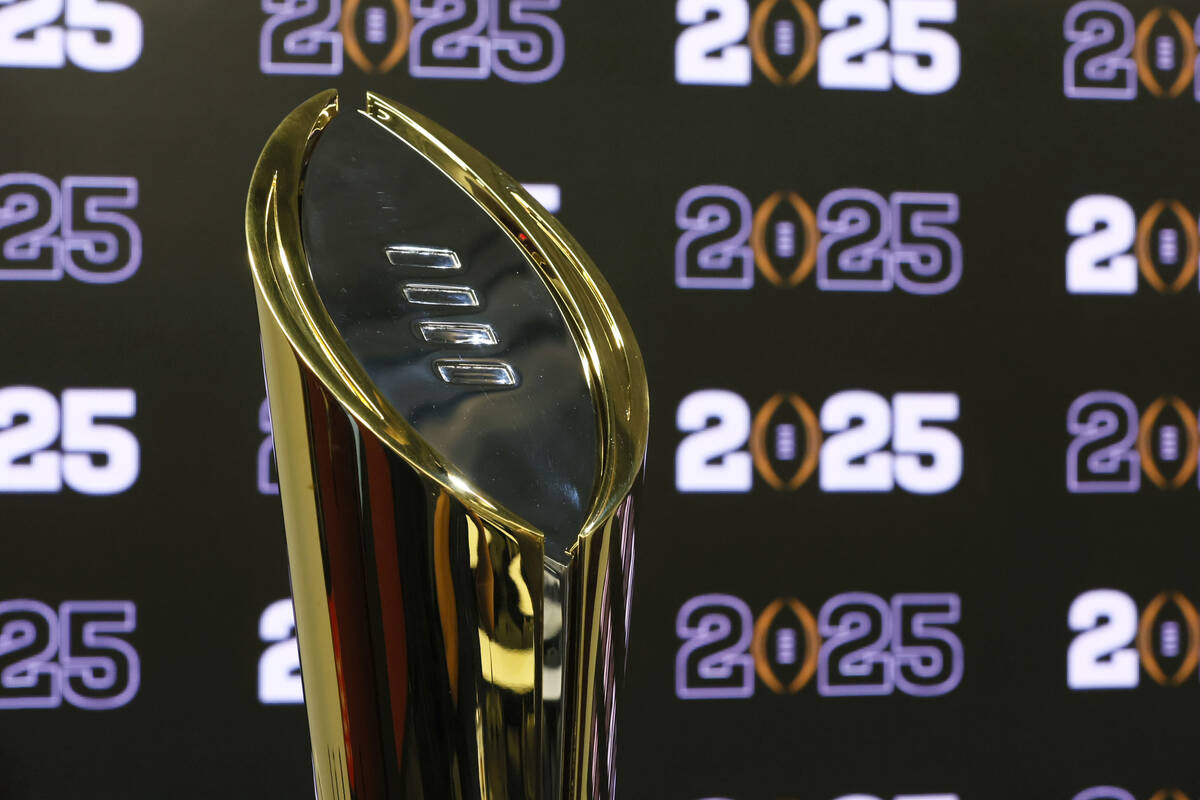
(929, 656)
(100, 669)
(910, 40)
(124, 28)
(81, 437)
(911, 440)
(94, 241)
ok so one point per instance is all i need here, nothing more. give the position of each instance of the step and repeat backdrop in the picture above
(916, 282)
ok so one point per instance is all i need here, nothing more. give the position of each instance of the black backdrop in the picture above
(173, 544)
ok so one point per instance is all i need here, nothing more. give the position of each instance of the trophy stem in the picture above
(443, 654)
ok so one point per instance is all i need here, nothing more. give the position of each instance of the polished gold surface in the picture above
(302, 523)
(445, 653)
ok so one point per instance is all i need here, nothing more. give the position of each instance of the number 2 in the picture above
(1102, 456)
(279, 667)
(1099, 63)
(708, 52)
(1100, 656)
(30, 213)
(29, 678)
(454, 51)
(836, 68)
(706, 460)
(853, 255)
(851, 458)
(716, 222)
(313, 47)
(854, 659)
(44, 48)
(725, 672)
(28, 441)
(268, 471)
(1099, 261)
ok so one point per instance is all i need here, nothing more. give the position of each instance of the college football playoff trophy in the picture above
(460, 416)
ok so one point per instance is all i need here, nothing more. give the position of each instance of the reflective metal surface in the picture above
(377, 216)
(458, 480)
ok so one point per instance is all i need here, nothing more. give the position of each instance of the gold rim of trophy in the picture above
(612, 362)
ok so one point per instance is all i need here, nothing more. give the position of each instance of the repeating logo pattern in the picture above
(860, 215)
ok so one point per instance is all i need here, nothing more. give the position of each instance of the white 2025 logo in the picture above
(868, 45)
(848, 442)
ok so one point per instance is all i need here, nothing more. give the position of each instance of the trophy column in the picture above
(460, 413)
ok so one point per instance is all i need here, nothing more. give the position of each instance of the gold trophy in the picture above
(460, 415)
